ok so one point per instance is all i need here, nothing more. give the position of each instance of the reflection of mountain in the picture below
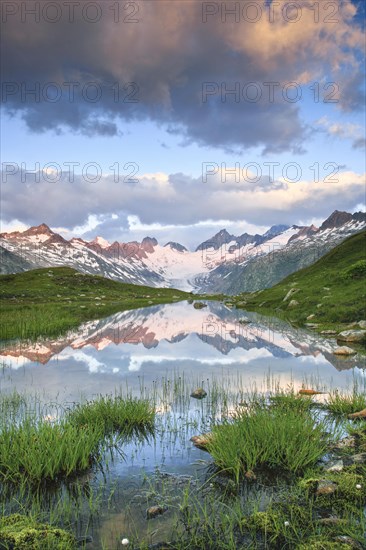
(216, 326)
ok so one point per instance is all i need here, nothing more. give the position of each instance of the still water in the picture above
(134, 350)
(152, 342)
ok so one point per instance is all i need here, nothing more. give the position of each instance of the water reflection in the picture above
(152, 342)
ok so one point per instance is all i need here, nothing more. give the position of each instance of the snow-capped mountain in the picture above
(224, 263)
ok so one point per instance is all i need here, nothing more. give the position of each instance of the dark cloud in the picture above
(160, 65)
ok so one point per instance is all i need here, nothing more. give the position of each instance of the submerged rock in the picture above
(155, 511)
(326, 487)
(250, 475)
(334, 466)
(199, 305)
(199, 393)
(345, 443)
(80, 541)
(352, 336)
(201, 441)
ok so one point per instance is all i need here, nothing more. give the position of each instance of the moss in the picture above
(21, 532)
(323, 544)
(346, 480)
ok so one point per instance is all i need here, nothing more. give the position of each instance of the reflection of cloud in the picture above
(92, 364)
(14, 362)
(137, 361)
(318, 359)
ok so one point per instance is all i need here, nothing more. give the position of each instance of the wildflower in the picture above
(287, 523)
(125, 542)
(358, 486)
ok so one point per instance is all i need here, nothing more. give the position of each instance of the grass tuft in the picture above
(274, 437)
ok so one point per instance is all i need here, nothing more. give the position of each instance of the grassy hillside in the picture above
(333, 289)
(50, 301)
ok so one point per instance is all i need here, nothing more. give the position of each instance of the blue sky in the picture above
(171, 131)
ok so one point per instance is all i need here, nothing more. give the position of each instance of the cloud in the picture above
(157, 68)
(344, 130)
(175, 204)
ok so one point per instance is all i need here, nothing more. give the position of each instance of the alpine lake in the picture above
(155, 488)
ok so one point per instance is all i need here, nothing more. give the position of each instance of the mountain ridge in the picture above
(223, 264)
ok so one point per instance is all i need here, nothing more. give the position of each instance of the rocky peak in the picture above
(222, 237)
(176, 246)
(42, 229)
(336, 219)
(148, 243)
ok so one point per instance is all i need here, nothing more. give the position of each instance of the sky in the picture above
(177, 119)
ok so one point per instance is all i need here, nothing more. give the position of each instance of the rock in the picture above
(199, 305)
(201, 441)
(311, 325)
(262, 304)
(330, 521)
(250, 475)
(334, 466)
(326, 288)
(360, 414)
(290, 293)
(345, 443)
(155, 511)
(80, 541)
(309, 317)
(309, 392)
(360, 458)
(326, 487)
(319, 305)
(344, 350)
(362, 324)
(244, 321)
(199, 393)
(344, 539)
(329, 332)
(352, 336)
(293, 303)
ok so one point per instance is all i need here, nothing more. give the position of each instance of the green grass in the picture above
(337, 281)
(289, 402)
(47, 302)
(114, 415)
(40, 450)
(278, 437)
(339, 403)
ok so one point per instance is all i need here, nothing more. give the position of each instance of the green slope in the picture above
(333, 289)
(50, 301)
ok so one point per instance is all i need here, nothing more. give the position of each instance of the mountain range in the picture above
(225, 263)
